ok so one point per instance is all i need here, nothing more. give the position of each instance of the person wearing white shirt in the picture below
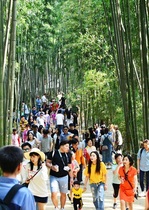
(60, 120)
(44, 99)
(37, 168)
(41, 120)
(116, 181)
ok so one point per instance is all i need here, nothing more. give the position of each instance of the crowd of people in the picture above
(49, 144)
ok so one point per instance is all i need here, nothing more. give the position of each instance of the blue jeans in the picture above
(107, 155)
(60, 127)
(98, 195)
(38, 107)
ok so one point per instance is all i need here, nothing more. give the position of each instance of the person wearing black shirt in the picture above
(59, 161)
(63, 105)
(73, 130)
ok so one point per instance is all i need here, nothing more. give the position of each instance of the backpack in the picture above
(106, 141)
(141, 152)
(4, 204)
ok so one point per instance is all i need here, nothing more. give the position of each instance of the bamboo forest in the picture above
(95, 52)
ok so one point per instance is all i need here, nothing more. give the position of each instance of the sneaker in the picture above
(142, 194)
(127, 208)
(114, 205)
(62, 209)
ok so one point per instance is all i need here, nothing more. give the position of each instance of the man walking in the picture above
(59, 161)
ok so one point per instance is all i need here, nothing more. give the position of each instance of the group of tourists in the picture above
(44, 112)
(48, 142)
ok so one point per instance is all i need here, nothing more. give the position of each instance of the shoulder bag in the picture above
(25, 184)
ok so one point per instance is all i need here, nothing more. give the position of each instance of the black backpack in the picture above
(141, 152)
(4, 204)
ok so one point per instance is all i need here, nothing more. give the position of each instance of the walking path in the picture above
(87, 199)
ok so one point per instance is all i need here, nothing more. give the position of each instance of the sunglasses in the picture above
(26, 150)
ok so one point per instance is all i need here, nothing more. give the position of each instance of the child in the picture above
(15, 139)
(53, 115)
(76, 195)
(25, 132)
(75, 166)
(75, 169)
(116, 182)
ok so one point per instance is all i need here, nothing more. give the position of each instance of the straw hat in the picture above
(35, 150)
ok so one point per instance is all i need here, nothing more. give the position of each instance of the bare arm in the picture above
(51, 144)
(71, 174)
(117, 169)
(136, 183)
(105, 177)
(38, 143)
(85, 182)
(49, 163)
(84, 189)
(138, 165)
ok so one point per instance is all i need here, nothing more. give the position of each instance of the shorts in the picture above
(59, 184)
(76, 203)
(40, 199)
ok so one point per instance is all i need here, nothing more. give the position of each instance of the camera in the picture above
(66, 168)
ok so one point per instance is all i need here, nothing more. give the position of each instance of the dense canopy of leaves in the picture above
(94, 51)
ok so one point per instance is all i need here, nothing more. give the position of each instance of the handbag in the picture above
(25, 184)
(104, 147)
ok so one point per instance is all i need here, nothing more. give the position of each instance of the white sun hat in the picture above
(35, 150)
